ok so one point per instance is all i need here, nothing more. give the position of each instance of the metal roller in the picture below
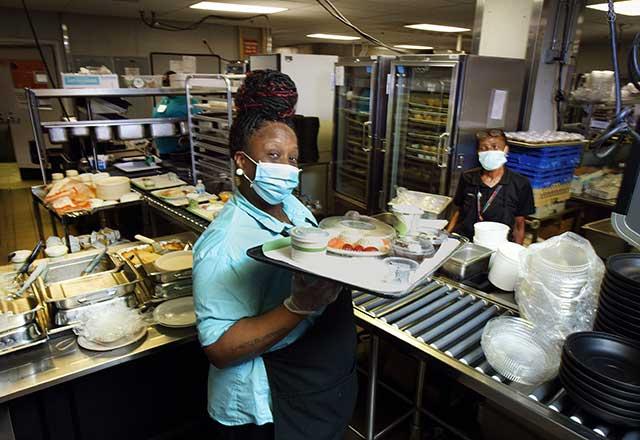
(474, 357)
(369, 305)
(416, 305)
(452, 322)
(466, 328)
(399, 303)
(363, 299)
(440, 316)
(355, 294)
(543, 392)
(469, 342)
(486, 368)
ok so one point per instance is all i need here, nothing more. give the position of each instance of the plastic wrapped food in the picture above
(70, 194)
(116, 321)
(430, 203)
(558, 284)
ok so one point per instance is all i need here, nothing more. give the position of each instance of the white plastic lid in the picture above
(309, 234)
(72, 173)
(57, 176)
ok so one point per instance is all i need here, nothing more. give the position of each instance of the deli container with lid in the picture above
(415, 247)
(308, 243)
(355, 234)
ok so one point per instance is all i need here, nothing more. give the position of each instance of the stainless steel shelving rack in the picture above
(35, 96)
(210, 115)
(442, 322)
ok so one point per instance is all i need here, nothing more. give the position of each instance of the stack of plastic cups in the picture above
(490, 234)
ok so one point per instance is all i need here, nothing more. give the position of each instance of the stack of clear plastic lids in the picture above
(558, 284)
(116, 321)
(520, 351)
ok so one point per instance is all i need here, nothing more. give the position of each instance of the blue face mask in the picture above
(273, 182)
(492, 160)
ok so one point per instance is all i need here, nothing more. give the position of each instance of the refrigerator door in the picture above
(353, 134)
(419, 126)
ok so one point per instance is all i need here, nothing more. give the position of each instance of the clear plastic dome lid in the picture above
(357, 227)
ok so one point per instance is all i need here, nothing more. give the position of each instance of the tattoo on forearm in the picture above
(252, 345)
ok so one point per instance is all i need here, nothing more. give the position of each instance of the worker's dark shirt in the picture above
(515, 199)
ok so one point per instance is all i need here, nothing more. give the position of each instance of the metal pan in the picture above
(173, 290)
(162, 277)
(19, 337)
(72, 268)
(91, 289)
(18, 312)
(69, 316)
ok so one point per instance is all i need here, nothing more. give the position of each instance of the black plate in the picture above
(614, 302)
(610, 359)
(622, 316)
(621, 287)
(616, 323)
(599, 412)
(623, 296)
(594, 393)
(626, 267)
(575, 372)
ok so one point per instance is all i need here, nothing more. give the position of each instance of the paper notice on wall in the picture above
(498, 104)
(339, 76)
(189, 64)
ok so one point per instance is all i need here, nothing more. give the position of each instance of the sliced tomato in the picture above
(371, 249)
(347, 247)
(358, 248)
(336, 243)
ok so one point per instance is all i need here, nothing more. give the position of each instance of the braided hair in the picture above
(266, 96)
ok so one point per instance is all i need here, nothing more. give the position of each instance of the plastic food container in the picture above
(504, 269)
(71, 173)
(358, 234)
(416, 248)
(307, 243)
(103, 133)
(400, 269)
(519, 351)
(489, 232)
(58, 135)
(112, 188)
(164, 129)
(80, 131)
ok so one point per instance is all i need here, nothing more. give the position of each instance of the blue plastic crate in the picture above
(543, 162)
(547, 151)
(543, 179)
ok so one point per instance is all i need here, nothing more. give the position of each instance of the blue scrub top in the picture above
(229, 286)
(170, 107)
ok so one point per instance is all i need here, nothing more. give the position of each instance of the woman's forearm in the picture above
(454, 221)
(249, 337)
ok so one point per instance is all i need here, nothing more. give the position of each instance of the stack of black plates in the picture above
(601, 374)
(619, 305)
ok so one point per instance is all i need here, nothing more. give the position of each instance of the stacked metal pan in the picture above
(619, 304)
(601, 374)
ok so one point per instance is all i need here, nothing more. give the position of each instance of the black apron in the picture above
(313, 381)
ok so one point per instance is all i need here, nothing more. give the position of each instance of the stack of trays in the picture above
(601, 374)
(170, 275)
(619, 304)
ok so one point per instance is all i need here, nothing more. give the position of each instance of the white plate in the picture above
(122, 342)
(134, 167)
(176, 313)
(161, 181)
(357, 253)
(174, 261)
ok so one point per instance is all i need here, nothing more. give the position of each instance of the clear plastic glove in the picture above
(309, 294)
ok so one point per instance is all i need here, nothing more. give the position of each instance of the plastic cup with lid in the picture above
(308, 244)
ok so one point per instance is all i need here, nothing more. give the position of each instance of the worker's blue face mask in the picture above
(492, 160)
(273, 182)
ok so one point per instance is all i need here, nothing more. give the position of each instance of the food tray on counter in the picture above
(161, 181)
(202, 211)
(162, 194)
(362, 273)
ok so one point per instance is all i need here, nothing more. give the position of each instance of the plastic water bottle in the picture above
(200, 189)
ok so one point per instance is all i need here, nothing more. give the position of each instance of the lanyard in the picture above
(488, 203)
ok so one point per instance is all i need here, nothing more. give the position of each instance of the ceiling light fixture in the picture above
(412, 47)
(627, 7)
(333, 37)
(235, 7)
(436, 28)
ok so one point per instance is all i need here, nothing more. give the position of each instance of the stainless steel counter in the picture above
(61, 359)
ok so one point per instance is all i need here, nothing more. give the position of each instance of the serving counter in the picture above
(545, 411)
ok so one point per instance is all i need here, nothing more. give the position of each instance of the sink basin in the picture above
(73, 267)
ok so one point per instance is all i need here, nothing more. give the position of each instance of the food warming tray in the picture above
(91, 289)
(173, 290)
(467, 261)
(69, 316)
(21, 337)
(18, 312)
(163, 277)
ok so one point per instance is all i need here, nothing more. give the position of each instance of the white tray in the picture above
(135, 166)
(367, 274)
(161, 181)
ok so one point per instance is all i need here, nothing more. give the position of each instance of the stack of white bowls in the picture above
(505, 267)
(490, 234)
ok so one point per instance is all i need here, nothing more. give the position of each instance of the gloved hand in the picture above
(309, 294)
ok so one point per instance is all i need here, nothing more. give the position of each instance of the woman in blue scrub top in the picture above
(281, 346)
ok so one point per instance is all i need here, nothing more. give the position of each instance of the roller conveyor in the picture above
(445, 320)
